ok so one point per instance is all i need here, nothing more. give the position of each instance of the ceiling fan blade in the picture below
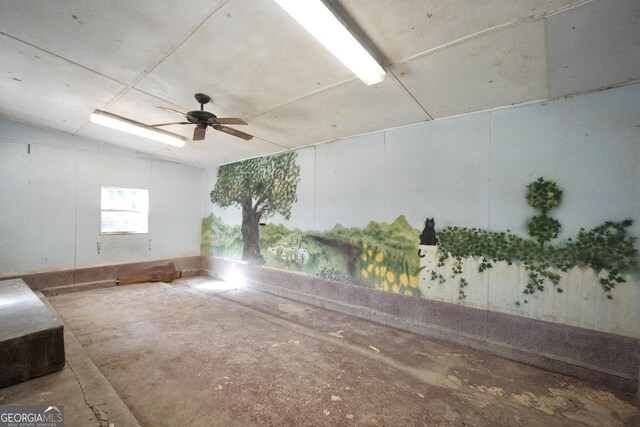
(168, 124)
(229, 121)
(200, 131)
(171, 109)
(233, 132)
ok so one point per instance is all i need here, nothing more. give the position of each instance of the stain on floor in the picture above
(190, 354)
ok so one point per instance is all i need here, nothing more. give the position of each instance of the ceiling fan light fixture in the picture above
(321, 23)
(136, 128)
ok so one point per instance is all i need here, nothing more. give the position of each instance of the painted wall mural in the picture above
(529, 211)
(263, 187)
(430, 263)
(383, 256)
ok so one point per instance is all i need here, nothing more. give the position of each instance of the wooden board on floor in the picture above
(163, 276)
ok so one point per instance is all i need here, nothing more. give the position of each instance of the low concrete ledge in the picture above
(105, 274)
(31, 337)
(598, 357)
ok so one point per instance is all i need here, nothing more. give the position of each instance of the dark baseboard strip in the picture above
(598, 357)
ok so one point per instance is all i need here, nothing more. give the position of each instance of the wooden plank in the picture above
(161, 276)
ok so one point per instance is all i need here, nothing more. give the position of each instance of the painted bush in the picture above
(608, 248)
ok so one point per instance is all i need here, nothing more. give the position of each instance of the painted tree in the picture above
(262, 187)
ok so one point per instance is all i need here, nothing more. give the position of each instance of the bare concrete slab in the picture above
(201, 352)
(87, 397)
(31, 337)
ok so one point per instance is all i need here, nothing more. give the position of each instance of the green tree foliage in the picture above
(544, 196)
(262, 187)
(608, 247)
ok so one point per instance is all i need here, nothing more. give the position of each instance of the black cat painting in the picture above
(428, 236)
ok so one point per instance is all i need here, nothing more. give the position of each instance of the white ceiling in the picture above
(62, 59)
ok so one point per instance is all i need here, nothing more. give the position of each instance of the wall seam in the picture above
(490, 138)
(75, 219)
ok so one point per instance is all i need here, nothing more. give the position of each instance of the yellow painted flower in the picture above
(364, 245)
(395, 289)
(385, 286)
(364, 273)
(370, 252)
(376, 270)
(413, 281)
(383, 270)
(370, 268)
(404, 280)
(363, 257)
(379, 257)
(390, 276)
(408, 292)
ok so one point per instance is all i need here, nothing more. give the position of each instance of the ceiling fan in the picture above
(202, 119)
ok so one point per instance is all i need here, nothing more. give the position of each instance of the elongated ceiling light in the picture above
(318, 20)
(125, 125)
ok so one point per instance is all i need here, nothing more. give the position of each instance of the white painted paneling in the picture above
(589, 144)
(593, 46)
(96, 170)
(37, 201)
(501, 68)
(440, 170)
(175, 211)
(582, 303)
(350, 182)
(50, 200)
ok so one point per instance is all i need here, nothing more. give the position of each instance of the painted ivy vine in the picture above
(608, 247)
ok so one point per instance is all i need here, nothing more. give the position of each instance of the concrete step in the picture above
(31, 337)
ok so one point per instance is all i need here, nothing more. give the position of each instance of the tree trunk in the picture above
(251, 234)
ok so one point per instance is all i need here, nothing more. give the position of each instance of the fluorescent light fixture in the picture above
(318, 20)
(125, 125)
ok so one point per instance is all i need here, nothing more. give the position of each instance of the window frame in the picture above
(123, 232)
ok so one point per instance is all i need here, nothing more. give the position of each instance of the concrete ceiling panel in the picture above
(62, 59)
(217, 149)
(43, 89)
(250, 56)
(118, 38)
(403, 29)
(593, 46)
(348, 109)
(500, 68)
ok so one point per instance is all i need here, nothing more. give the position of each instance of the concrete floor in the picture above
(199, 352)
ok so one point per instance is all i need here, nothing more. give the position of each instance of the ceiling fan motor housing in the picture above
(202, 98)
(200, 116)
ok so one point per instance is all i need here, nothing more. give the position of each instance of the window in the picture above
(124, 210)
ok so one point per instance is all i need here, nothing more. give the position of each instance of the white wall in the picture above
(473, 170)
(50, 203)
